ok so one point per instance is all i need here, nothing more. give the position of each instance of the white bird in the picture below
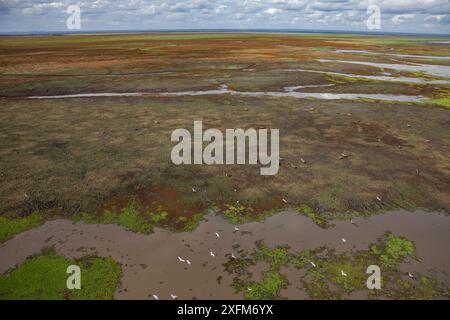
(212, 254)
(155, 297)
(313, 264)
(411, 275)
(344, 240)
(194, 190)
(351, 221)
(284, 200)
(236, 229)
(378, 198)
(249, 289)
(233, 256)
(217, 235)
(181, 259)
(303, 160)
(343, 273)
(188, 262)
(173, 296)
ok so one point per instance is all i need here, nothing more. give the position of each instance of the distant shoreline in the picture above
(281, 31)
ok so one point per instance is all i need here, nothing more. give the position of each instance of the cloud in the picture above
(397, 15)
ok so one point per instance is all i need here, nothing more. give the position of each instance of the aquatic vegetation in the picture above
(9, 227)
(237, 214)
(44, 278)
(276, 257)
(267, 289)
(393, 250)
(315, 217)
(190, 224)
(327, 275)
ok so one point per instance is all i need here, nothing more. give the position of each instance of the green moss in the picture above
(268, 289)
(9, 227)
(44, 278)
(310, 213)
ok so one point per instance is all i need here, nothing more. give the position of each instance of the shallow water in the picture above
(150, 262)
(435, 70)
(393, 54)
(223, 89)
(385, 77)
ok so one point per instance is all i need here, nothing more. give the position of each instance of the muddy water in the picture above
(151, 266)
(223, 89)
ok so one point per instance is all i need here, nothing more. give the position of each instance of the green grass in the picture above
(9, 227)
(445, 102)
(44, 278)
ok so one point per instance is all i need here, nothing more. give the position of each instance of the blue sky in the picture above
(420, 16)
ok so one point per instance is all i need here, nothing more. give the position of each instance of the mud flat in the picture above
(151, 265)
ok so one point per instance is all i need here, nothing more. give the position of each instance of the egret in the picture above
(212, 254)
(352, 221)
(344, 240)
(217, 235)
(181, 259)
(303, 160)
(233, 256)
(378, 198)
(313, 264)
(284, 200)
(155, 297)
(188, 262)
(411, 275)
(173, 296)
(343, 273)
(236, 229)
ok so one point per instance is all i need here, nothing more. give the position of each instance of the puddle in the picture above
(151, 266)
(435, 70)
(393, 54)
(223, 89)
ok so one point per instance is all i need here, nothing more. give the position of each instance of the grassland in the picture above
(44, 278)
(93, 159)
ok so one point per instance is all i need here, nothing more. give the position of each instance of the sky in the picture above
(414, 16)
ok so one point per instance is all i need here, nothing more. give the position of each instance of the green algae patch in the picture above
(9, 227)
(44, 278)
